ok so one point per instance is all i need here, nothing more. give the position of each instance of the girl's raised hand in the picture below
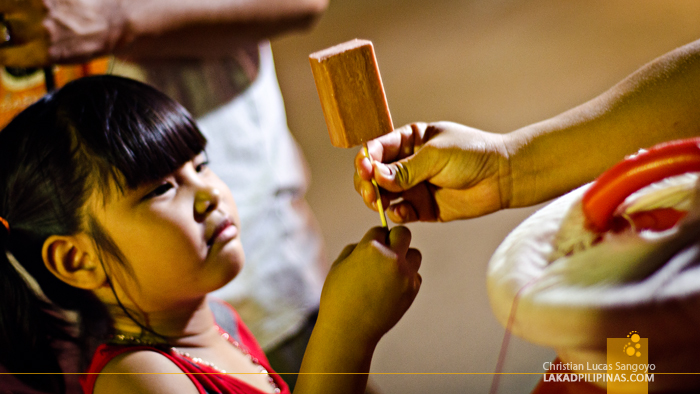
(369, 287)
(371, 284)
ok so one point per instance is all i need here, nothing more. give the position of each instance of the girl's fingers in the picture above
(345, 253)
(399, 240)
(413, 259)
(375, 234)
(413, 262)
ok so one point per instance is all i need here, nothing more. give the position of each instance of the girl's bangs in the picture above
(132, 133)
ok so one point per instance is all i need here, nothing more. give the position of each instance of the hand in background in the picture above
(45, 32)
(440, 172)
(48, 32)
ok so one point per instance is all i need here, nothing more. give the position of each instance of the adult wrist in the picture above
(505, 178)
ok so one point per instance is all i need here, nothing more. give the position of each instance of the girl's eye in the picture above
(159, 191)
(201, 166)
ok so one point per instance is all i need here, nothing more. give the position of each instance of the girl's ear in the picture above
(73, 259)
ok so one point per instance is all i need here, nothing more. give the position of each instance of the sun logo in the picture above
(632, 348)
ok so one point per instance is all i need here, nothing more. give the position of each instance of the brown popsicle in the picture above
(352, 97)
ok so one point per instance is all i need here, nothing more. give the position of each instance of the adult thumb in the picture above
(405, 173)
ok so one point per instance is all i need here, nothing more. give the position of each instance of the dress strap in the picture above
(225, 318)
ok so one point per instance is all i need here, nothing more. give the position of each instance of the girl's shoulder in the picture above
(150, 369)
(137, 369)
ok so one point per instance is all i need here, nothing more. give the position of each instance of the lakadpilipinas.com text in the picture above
(618, 372)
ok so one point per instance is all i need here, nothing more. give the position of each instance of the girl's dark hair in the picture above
(92, 133)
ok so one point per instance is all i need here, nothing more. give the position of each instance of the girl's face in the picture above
(179, 237)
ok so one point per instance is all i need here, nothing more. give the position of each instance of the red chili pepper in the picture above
(628, 176)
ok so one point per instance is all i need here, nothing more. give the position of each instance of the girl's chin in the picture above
(231, 274)
(234, 262)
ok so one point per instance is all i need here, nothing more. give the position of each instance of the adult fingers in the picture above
(363, 166)
(363, 175)
(413, 167)
(402, 212)
(27, 45)
(398, 144)
(375, 148)
(390, 147)
(417, 204)
(14, 5)
(24, 28)
(369, 196)
(422, 201)
(406, 173)
(32, 54)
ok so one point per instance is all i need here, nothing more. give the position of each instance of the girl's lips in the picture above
(224, 232)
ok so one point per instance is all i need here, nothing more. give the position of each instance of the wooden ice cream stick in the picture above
(352, 97)
(380, 206)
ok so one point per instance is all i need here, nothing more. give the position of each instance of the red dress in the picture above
(205, 383)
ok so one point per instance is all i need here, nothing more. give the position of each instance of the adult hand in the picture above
(45, 32)
(438, 172)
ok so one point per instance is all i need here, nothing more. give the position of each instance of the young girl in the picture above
(115, 230)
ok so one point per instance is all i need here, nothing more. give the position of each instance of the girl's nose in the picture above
(206, 200)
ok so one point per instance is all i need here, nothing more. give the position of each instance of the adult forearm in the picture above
(207, 28)
(657, 103)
